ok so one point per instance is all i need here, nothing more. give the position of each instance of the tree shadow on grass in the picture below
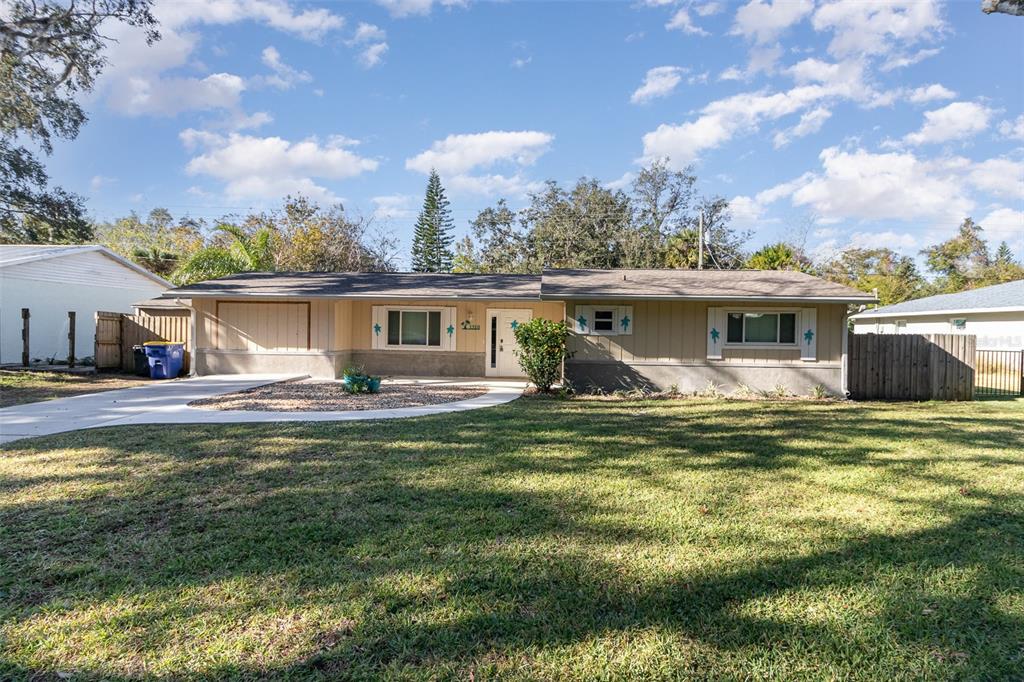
(449, 544)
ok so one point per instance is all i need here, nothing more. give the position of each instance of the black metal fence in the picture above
(999, 372)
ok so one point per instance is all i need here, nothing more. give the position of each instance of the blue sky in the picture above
(850, 122)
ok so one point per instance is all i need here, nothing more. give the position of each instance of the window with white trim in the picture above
(761, 328)
(605, 320)
(414, 328)
(958, 324)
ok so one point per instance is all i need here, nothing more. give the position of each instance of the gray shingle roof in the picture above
(1009, 295)
(364, 285)
(748, 285)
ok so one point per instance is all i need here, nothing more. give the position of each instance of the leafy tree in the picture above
(542, 350)
(779, 256)
(503, 247)
(1004, 267)
(466, 259)
(244, 252)
(895, 277)
(723, 246)
(661, 200)
(576, 229)
(312, 239)
(432, 238)
(157, 243)
(50, 52)
(960, 262)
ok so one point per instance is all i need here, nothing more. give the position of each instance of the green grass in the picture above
(18, 388)
(539, 540)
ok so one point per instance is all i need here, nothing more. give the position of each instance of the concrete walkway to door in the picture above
(167, 403)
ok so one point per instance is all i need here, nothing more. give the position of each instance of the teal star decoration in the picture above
(714, 335)
(451, 330)
(376, 330)
(624, 322)
(582, 322)
(808, 335)
(515, 324)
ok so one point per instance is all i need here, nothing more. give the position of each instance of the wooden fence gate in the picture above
(999, 372)
(911, 366)
(116, 333)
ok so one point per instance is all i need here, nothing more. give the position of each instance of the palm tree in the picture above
(245, 253)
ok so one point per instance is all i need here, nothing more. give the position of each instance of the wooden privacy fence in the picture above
(116, 333)
(911, 366)
(999, 372)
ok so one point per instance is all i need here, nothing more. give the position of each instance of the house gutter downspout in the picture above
(844, 381)
(191, 336)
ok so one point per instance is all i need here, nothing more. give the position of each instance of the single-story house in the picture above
(652, 328)
(995, 315)
(52, 280)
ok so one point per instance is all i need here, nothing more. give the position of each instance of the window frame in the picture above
(614, 331)
(955, 329)
(412, 346)
(794, 345)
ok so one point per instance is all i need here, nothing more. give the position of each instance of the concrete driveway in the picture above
(137, 405)
(167, 403)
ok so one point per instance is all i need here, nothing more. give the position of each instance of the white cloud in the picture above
(930, 93)
(271, 167)
(900, 61)
(406, 8)
(681, 21)
(372, 55)
(745, 211)
(731, 74)
(810, 123)
(1013, 129)
(394, 206)
(891, 186)
(622, 182)
(709, 8)
(367, 33)
(659, 82)
(520, 62)
(999, 177)
(952, 122)
(463, 153)
(284, 77)
(135, 81)
(763, 22)
(100, 181)
(1005, 225)
(873, 28)
(723, 119)
(169, 96)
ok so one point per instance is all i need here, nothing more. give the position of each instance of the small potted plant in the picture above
(355, 380)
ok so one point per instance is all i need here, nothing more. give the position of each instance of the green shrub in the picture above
(542, 350)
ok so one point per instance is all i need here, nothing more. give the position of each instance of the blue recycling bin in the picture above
(165, 359)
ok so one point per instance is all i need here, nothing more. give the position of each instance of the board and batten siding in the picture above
(265, 326)
(675, 332)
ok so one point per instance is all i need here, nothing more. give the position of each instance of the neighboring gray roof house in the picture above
(1007, 297)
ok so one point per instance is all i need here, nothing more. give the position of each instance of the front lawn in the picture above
(539, 540)
(18, 388)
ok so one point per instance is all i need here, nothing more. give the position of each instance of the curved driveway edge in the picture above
(167, 403)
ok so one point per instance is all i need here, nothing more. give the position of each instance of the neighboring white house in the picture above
(994, 314)
(50, 281)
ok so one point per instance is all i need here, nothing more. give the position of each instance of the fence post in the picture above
(1022, 371)
(25, 315)
(71, 338)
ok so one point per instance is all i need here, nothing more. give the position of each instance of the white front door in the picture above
(501, 342)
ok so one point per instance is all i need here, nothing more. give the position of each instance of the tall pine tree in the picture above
(432, 240)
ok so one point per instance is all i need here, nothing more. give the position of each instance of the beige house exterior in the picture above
(636, 328)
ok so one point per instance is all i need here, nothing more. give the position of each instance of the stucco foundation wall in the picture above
(319, 365)
(610, 376)
(419, 363)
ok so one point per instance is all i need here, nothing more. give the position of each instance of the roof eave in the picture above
(870, 314)
(683, 297)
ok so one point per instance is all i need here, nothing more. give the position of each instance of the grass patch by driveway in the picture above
(543, 539)
(18, 388)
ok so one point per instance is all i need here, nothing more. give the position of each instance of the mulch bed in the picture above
(328, 396)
